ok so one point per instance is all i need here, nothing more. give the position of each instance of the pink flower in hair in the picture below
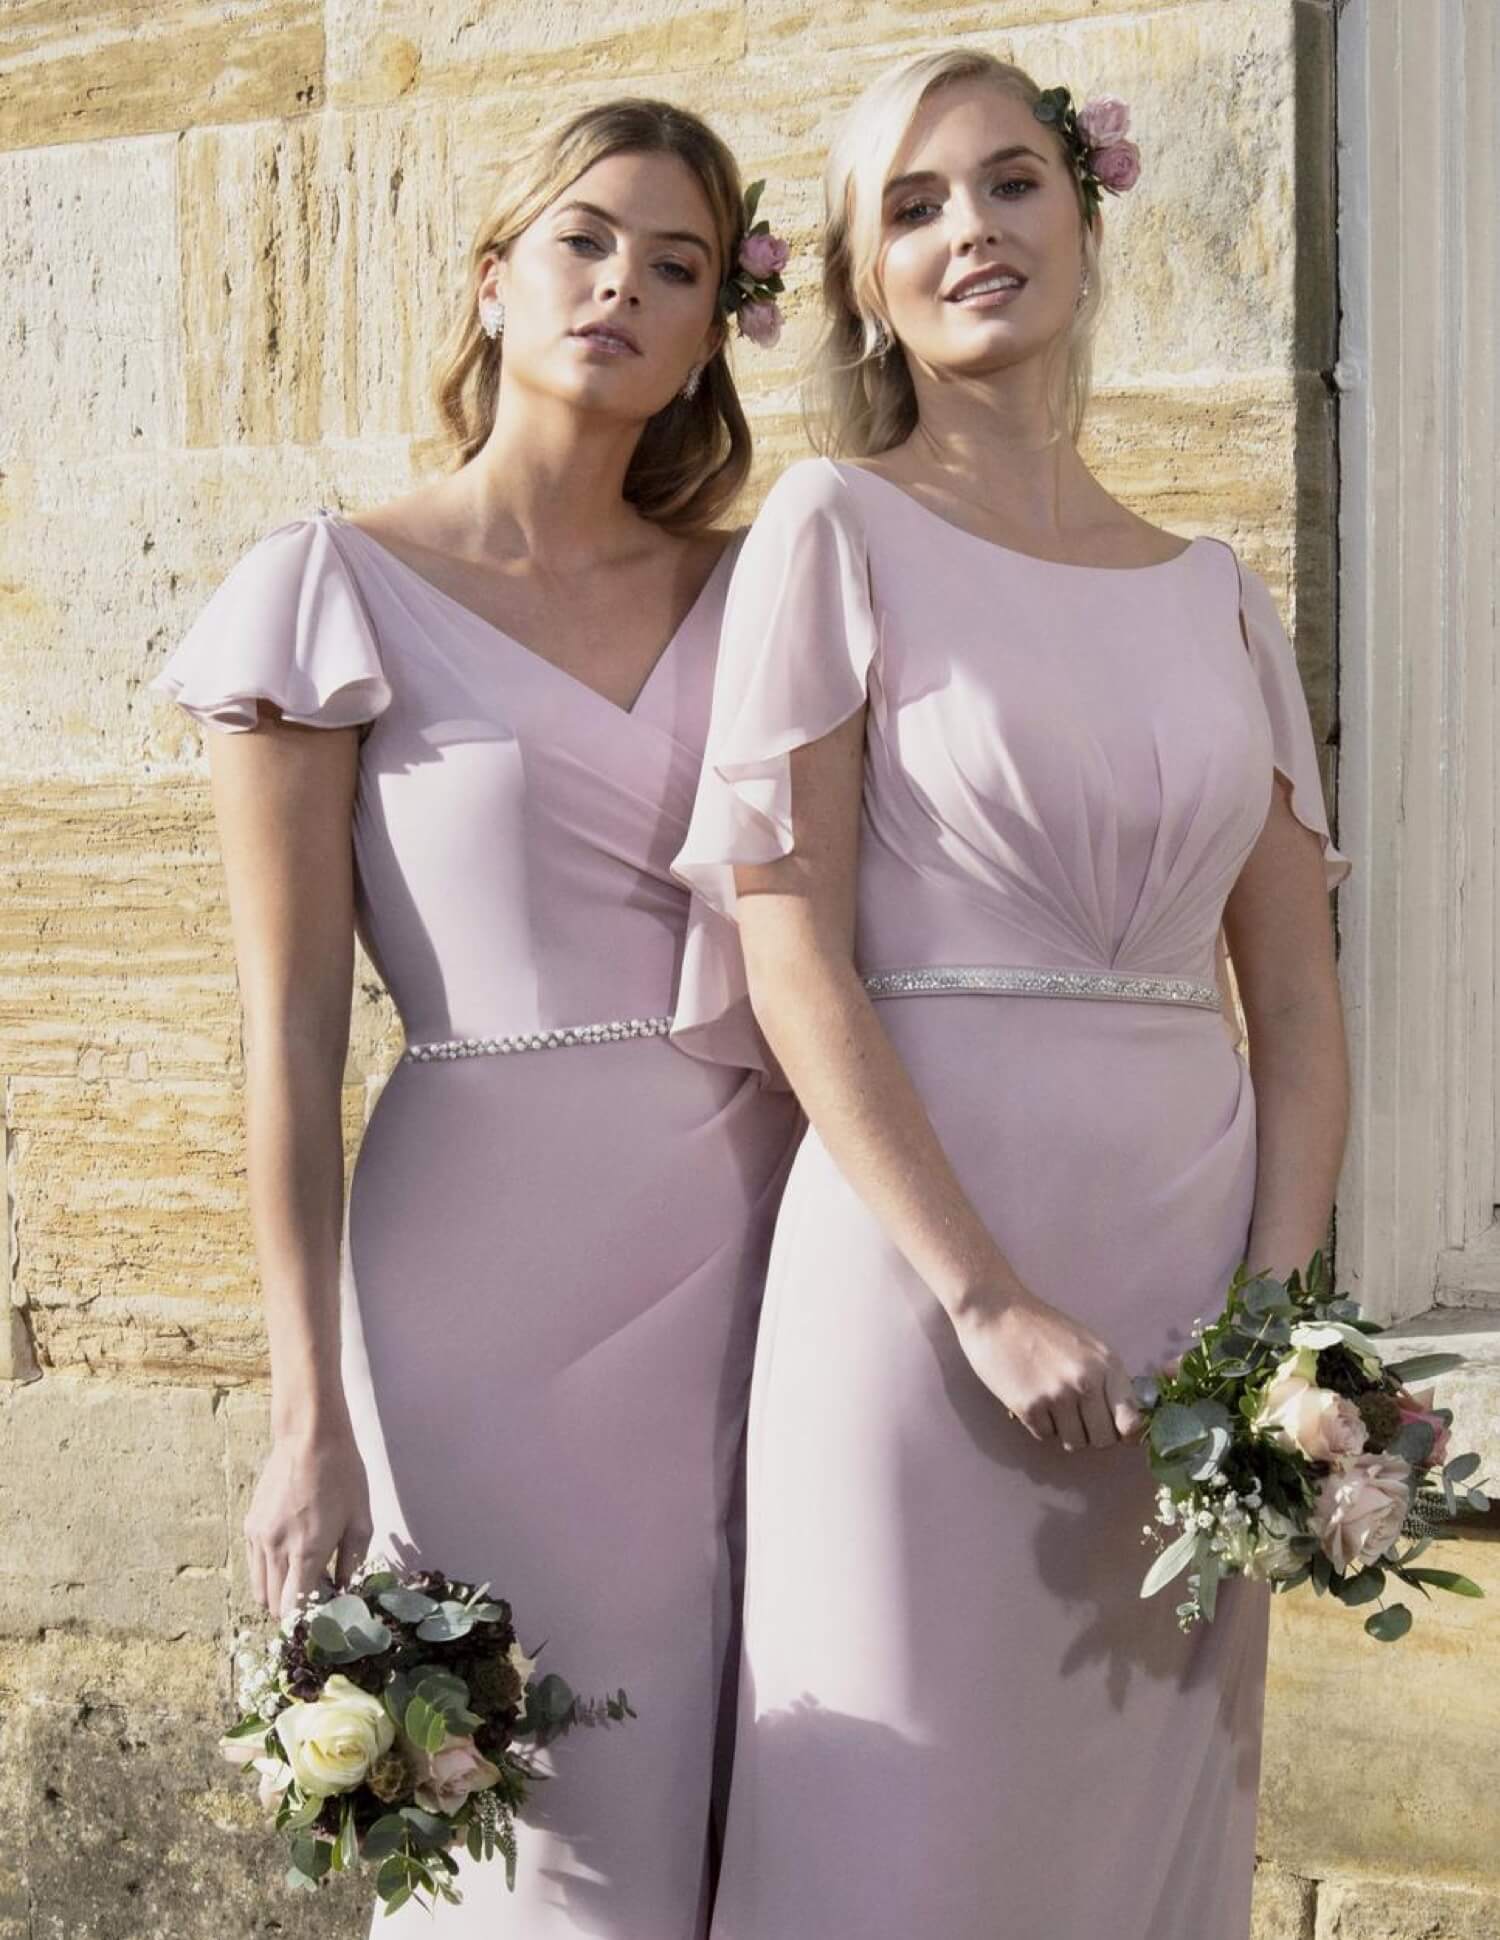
(1104, 121)
(1118, 166)
(761, 323)
(763, 255)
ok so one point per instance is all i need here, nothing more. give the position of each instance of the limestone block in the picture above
(1202, 259)
(1381, 1758)
(105, 562)
(97, 68)
(315, 260)
(73, 1664)
(1405, 1909)
(139, 1829)
(791, 26)
(89, 287)
(113, 1503)
(381, 50)
(114, 943)
(133, 1226)
(1282, 1907)
(115, 953)
(14, 1903)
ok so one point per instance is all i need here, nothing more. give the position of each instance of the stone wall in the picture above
(228, 234)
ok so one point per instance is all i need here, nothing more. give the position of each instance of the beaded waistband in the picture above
(943, 979)
(1011, 981)
(616, 1031)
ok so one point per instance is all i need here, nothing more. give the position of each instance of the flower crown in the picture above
(751, 289)
(1095, 139)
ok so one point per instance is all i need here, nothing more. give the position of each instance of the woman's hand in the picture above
(312, 1499)
(1055, 1376)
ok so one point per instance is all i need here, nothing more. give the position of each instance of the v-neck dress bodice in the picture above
(556, 1242)
(508, 815)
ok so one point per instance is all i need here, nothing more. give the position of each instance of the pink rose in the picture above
(1323, 1426)
(446, 1777)
(761, 323)
(1360, 1509)
(1417, 1406)
(1104, 120)
(763, 255)
(1118, 166)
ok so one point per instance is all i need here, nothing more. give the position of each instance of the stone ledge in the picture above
(1404, 1909)
(1472, 1391)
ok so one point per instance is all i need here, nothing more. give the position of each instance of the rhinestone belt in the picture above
(1007, 980)
(936, 980)
(616, 1031)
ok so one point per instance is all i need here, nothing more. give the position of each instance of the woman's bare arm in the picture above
(283, 800)
(797, 929)
(1280, 937)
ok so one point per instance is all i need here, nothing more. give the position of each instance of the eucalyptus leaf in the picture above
(1461, 1468)
(1176, 1431)
(348, 1843)
(409, 1606)
(393, 1875)
(1447, 1580)
(311, 1856)
(1363, 1587)
(426, 1727)
(1477, 1499)
(385, 1837)
(448, 1622)
(1422, 1366)
(326, 1636)
(1207, 1464)
(1147, 1390)
(1387, 1625)
(1173, 1560)
(429, 1827)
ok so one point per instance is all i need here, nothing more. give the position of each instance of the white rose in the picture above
(333, 1741)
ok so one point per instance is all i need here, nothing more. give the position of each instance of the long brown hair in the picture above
(694, 454)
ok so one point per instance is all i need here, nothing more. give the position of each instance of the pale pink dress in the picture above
(958, 1720)
(554, 1256)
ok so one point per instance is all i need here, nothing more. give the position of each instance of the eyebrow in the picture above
(899, 182)
(659, 235)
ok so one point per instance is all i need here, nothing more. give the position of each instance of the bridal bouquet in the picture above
(1286, 1447)
(395, 1721)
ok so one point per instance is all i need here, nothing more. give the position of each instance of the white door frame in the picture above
(1419, 705)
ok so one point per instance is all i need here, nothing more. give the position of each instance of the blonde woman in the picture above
(472, 723)
(990, 758)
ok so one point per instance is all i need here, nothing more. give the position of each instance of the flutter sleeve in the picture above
(1293, 750)
(795, 661)
(286, 625)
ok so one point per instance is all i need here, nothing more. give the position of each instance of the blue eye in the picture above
(678, 272)
(590, 242)
(1021, 182)
(909, 210)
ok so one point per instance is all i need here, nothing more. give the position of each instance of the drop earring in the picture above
(1083, 289)
(883, 340)
(492, 318)
(690, 383)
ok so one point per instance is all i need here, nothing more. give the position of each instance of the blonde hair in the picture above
(860, 402)
(694, 454)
